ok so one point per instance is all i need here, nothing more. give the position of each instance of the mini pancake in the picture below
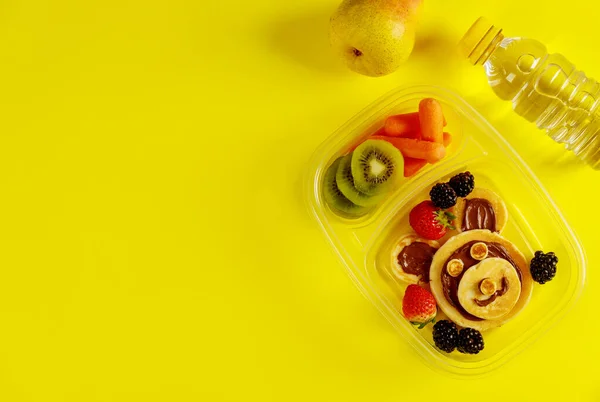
(483, 209)
(445, 288)
(411, 258)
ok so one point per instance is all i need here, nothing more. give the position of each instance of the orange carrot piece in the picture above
(430, 151)
(412, 166)
(383, 138)
(415, 135)
(401, 124)
(380, 135)
(447, 139)
(381, 131)
(431, 120)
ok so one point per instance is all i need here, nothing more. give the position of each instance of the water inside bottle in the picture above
(546, 89)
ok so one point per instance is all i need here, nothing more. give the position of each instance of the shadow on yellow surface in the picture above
(434, 42)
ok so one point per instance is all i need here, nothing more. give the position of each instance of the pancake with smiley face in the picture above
(480, 279)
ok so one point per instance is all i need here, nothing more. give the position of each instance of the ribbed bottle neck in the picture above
(489, 46)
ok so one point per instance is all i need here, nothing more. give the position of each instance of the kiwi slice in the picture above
(376, 166)
(345, 183)
(334, 197)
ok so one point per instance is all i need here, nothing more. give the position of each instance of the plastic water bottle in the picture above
(544, 88)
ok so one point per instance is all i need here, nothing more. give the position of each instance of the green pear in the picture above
(374, 37)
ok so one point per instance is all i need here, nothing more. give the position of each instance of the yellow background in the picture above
(154, 244)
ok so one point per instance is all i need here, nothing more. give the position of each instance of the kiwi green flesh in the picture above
(334, 197)
(376, 166)
(345, 183)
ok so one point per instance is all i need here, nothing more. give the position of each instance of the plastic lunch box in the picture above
(365, 245)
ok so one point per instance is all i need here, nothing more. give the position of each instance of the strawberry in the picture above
(430, 222)
(418, 306)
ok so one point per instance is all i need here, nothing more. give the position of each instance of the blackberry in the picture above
(462, 183)
(470, 341)
(543, 267)
(443, 196)
(445, 335)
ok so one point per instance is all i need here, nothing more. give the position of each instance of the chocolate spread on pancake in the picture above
(479, 214)
(416, 259)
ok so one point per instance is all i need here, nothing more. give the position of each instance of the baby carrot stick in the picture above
(403, 125)
(447, 139)
(430, 151)
(382, 137)
(381, 131)
(415, 135)
(400, 124)
(412, 166)
(431, 120)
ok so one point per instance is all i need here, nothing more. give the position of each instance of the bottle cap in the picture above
(477, 43)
